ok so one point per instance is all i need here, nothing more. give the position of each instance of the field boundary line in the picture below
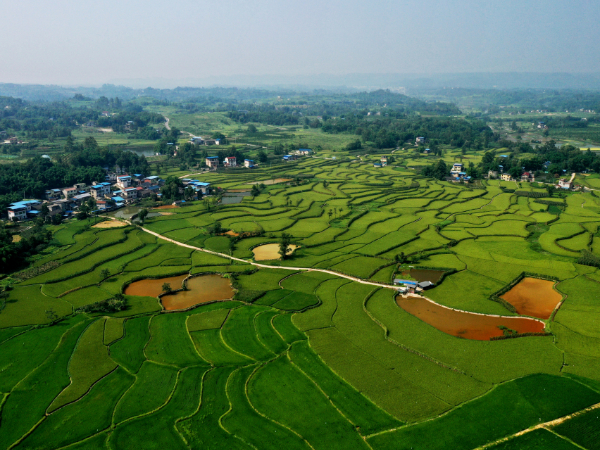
(328, 397)
(565, 438)
(129, 419)
(230, 347)
(308, 269)
(545, 425)
(230, 410)
(386, 333)
(258, 366)
(258, 334)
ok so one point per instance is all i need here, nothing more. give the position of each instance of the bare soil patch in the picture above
(110, 224)
(533, 297)
(202, 289)
(270, 251)
(153, 288)
(464, 324)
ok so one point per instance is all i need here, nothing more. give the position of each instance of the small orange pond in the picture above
(202, 289)
(153, 288)
(533, 297)
(464, 324)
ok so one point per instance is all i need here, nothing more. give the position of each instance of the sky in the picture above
(88, 42)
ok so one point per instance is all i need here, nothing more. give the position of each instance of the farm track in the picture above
(545, 425)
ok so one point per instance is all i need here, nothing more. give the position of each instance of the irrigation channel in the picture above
(539, 323)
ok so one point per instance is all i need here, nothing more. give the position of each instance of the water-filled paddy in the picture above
(533, 297)
(270, 251)
(464, 324)
(153, 288)
(202, 289)
(236, 197)
(424, 275)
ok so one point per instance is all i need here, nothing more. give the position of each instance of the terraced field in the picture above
(313, 351)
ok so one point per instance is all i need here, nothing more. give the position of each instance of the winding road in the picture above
(267, 266)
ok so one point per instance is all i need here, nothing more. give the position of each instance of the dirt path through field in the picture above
(549, 424)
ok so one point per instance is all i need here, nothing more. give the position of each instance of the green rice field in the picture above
(311, 352)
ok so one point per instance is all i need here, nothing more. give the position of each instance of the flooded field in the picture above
(234, 197)
(533, 297)
(126, 213)
(424, 275)
(153, 288)
(463, 324)
(275, 181)
(202, 289)
(270, 251)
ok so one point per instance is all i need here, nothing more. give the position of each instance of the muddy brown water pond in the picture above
(533, 297)
(202, 289)
(424, 275)
(153, 288)
(270, 251)
(464, 324)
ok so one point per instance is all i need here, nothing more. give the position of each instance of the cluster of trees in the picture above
(38, 120)
(81, 163)
(136, 122)
(168, 137)
(13, 255)
(566, 158)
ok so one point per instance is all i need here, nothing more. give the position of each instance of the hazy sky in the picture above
(91, 42)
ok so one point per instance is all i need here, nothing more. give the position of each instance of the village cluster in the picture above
(116, 191)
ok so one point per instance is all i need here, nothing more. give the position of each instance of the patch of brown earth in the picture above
(202, 289)
(465, 324)
(270, 251)
(153, 288)
(110, 224)
(533, 297)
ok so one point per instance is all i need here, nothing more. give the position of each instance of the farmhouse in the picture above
(420, 140)
(53, 194)
(124, 181)
(505, 177)
(69, 192)
(212, 162)
(100, 190)
(289, 157)
(249, 163)
(17, 212)
(304, 151)
(456, 168)
(528, 176)
(492, 174)
(383, 161)
(564, 184)
(230, 161)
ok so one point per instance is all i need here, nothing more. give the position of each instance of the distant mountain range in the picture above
(410, 84)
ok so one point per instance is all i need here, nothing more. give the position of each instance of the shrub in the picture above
(116, 304)
(587, 258)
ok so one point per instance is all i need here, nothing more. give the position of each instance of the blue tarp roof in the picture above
(118, 199)
(399, 281)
